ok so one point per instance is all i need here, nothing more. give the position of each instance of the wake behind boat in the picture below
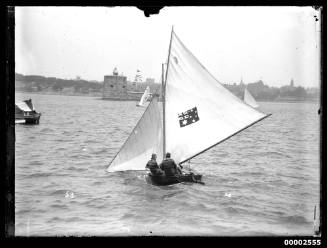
(198, 114)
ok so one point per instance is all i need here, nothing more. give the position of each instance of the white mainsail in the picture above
(144, 97)
(249, 99)
(145, 139)
(199, 111)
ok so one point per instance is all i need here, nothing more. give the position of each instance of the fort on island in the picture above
(116, 87)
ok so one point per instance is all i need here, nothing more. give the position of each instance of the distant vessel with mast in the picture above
(144, 98)
(25, 113)
(249, 99)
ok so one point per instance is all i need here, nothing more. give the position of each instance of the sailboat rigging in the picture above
(198, 113)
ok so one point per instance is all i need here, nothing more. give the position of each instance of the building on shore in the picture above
(116, 87)
(149, 80)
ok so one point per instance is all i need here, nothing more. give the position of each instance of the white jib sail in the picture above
(144, 97)
(249, 99)
(145, 139)
(200, 112)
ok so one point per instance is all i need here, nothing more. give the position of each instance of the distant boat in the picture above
(25, 113)
(249, 99)
(145, 97)
(198, 113)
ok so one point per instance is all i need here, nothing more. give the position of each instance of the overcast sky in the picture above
(274, 44)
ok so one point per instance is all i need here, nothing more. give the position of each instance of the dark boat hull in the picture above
(162, 180)
(30, 119)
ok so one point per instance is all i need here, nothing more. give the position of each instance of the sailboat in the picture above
(145, 97)
(249, 99)
(198, 113)
(25, 112)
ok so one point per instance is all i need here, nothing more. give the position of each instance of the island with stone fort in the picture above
(116, 87)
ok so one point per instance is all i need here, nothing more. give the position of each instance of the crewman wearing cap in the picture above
(153, 165)
(169, 166)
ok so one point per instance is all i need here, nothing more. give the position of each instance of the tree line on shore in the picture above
(260, 91)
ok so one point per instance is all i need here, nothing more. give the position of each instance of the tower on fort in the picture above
(241, 82)
(292, 83)
(114, 86)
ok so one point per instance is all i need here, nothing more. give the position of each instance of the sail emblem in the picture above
(188, 117)
(176, 61)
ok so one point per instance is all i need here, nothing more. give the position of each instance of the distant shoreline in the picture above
(59, 94)
(291, 101)
(99, 95)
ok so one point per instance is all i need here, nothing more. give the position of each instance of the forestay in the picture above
(249, 99)
(145, 139)
(199, 112)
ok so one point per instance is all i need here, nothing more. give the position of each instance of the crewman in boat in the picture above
(169, 166)
(153, 165)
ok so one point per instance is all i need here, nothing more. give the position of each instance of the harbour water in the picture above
(263, 181)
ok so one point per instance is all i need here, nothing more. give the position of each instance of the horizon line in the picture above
(228, 83)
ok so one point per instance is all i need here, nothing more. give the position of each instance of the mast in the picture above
(164, 95)
(163, 108)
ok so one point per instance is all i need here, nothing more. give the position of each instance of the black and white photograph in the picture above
(186, 121)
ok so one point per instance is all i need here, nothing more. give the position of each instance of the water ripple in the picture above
(263, 181)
